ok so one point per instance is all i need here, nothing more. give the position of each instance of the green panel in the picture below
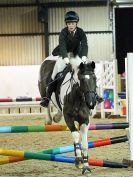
(18, 129)
(35, 155)
(56, 151)
(51, 151)
(39, 128)
(48, 151)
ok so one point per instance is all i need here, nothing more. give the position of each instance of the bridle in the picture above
(89, 95)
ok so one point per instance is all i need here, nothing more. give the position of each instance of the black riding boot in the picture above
(99, 99)
(45, 100)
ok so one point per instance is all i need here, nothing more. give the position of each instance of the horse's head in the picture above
(87, 80)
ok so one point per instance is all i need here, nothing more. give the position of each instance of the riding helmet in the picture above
(71, 16)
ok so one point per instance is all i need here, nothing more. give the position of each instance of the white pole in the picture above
(126, 80)
(115, 87)
(101, 90)
(130, 100)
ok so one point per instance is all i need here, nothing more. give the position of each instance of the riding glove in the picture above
(84, 59)
(66, 60)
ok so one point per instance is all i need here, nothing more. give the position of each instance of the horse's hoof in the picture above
(57, 117)
(49, 123)
(79, 162)
(85, 170)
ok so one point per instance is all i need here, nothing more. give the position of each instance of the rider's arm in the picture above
(84, 44)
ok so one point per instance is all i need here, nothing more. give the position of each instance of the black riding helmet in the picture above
(71, 16)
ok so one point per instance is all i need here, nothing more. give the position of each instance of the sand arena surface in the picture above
(45, 140)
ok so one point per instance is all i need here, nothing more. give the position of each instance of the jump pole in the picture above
(20, 99)
(46, 128)
(57, 158)
(130, 101)
(66, 149)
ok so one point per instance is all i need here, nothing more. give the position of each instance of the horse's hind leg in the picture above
(49, 119)
(57, 117)
(84, 142)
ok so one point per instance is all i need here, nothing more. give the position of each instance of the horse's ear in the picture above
(81, 65)
(93, 64)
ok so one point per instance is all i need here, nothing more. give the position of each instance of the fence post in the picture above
(130, 100)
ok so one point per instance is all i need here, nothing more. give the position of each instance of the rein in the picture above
(72, 81)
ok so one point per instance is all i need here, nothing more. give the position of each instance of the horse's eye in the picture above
(87, 77)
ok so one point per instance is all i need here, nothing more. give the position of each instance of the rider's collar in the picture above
(73, 31)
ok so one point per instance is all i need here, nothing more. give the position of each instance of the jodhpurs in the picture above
(60, 65)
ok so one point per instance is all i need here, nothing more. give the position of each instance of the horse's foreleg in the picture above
(77, 145)
(84, 147)
(84, 138)
(76, 139)
(77, 149)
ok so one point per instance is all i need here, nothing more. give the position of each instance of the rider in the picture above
(72, 48)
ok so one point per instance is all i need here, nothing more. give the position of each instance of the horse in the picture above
(75, 97)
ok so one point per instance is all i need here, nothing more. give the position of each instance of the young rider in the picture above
(72, 48)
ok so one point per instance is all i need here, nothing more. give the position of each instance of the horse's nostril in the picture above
(92, 107)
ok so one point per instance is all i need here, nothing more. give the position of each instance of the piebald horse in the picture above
(74, 96)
